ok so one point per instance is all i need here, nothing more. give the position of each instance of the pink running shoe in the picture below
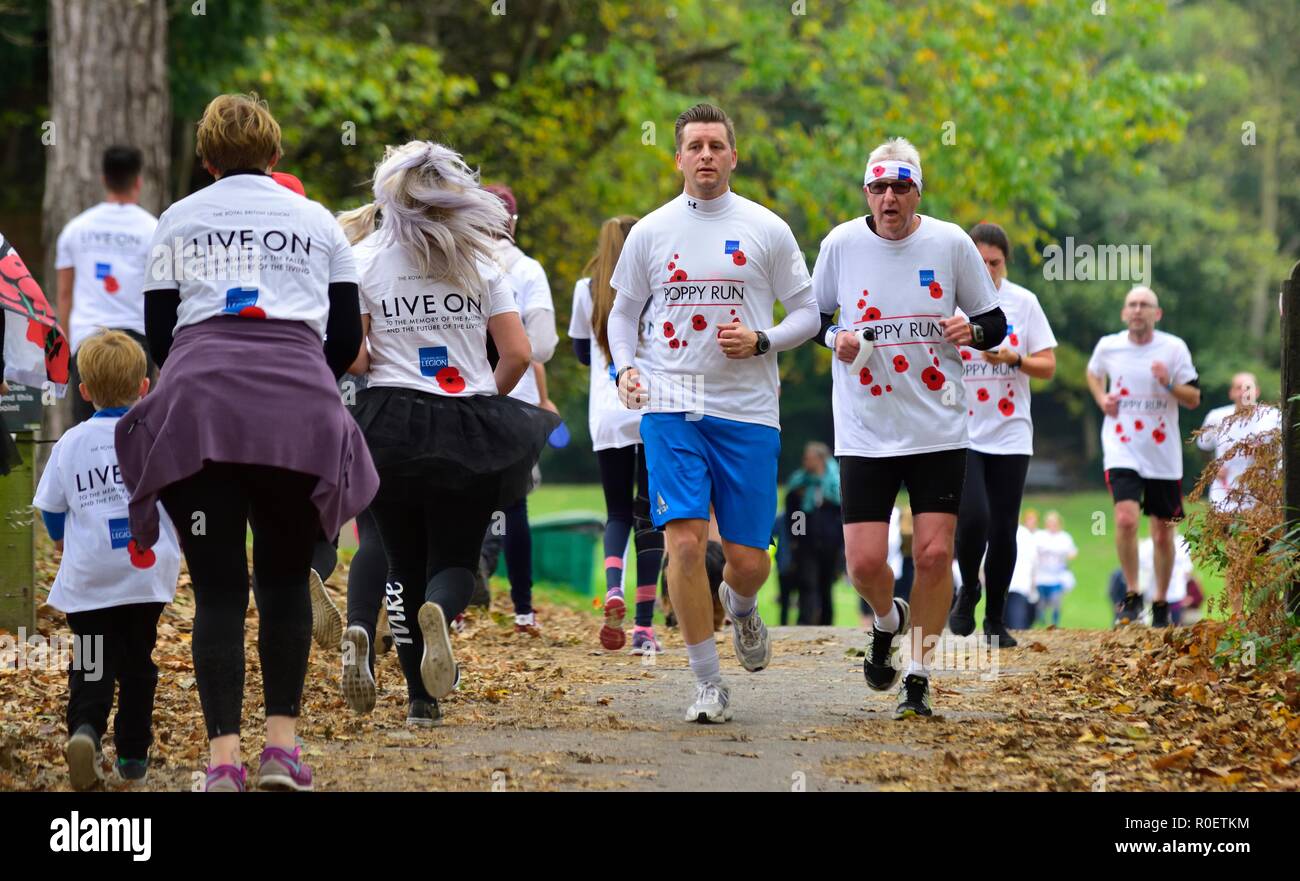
(612, 636)
(644, 642)
(226, 778)
(284, 771)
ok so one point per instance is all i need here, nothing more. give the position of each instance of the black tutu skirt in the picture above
(422, 442)
(9, 457)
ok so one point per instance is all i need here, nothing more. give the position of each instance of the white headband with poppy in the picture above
(892, 169)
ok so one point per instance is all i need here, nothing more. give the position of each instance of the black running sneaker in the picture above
(961, 621)
(1129, 611)
(1159, 614)
(877, 666)
(423, 714)
(132, 769)
(998, 636)
(914, 697)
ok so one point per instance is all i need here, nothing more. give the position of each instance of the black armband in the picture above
(828, 321)
(582, 349)
(160, 308)
(993, 328)
(342, 327)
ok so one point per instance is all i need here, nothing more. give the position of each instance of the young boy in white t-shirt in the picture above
(111, 592)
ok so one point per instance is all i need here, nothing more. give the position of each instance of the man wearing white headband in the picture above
(897, 279)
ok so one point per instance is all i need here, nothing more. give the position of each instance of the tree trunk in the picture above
(108, 85)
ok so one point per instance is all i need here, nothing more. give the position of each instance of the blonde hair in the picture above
(600, 269)
(238, 131)
(434, 208)
(359, 222)
(112, 365)
(897, 149)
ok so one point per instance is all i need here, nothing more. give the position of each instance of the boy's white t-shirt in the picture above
(107, 248)
(429, 334)
(532, 291)
(910, 397)
(1144, 436)
(1178, 576)
(997, 395)
(98, 569)
(1054, 550)
(612, 425)
(699, 264)
(1024, 577)
(1220, 439)
(247, 246)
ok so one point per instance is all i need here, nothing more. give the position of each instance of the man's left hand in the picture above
(736, 340)
(956, 330)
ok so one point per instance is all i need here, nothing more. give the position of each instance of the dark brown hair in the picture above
(985, 233)
(705, 113)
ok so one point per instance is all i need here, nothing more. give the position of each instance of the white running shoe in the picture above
(326, 619)
(748, 636)
(358, 683)
(712, 703)
(437, 665)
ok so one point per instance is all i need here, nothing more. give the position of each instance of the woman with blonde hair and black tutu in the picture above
(450, 447)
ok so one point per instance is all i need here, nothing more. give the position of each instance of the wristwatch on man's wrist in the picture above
(976, 334)
(618, 377)
(761, 343)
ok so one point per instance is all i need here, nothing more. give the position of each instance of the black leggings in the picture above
(219, 503)
(125, 659)
(626, 482)
(432, 547)
(366, 578)
(518, 543)
(988, 519)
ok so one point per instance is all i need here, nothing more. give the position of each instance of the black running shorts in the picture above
(1158, 498)
(869, 486)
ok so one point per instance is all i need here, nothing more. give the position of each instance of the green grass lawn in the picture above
(1087, 606)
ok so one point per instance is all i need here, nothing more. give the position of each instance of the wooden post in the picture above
(18, 542)
(1290, 303)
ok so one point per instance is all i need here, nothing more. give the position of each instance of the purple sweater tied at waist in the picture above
(248, 391)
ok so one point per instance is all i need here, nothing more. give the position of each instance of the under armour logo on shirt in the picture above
(692, 203)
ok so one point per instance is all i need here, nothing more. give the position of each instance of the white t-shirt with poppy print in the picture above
(997, 395)
(611, 424)
(106, 247)
(532, 292)
(101, 566)
(249, 247)
(1219, 438)
(701, 264)
(429, 334)
(909, 398)
(1144, 436)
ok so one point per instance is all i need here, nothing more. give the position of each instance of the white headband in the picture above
(892, 169)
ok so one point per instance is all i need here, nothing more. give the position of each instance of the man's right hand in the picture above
(1109, 404)
(847, 345)
(630, 390)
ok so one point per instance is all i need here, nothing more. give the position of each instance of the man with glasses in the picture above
(1139, 377)
(897, 279)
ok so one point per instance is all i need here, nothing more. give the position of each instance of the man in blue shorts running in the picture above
(707, 269)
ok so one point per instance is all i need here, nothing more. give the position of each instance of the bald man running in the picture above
(1150, 375)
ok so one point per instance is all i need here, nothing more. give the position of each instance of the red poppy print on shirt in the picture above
(1005, 407)
(965, 355)
(900, 364)
(140, 559)
(669, 330)
(936, 290)
(738, 258)
(932, 378)
(698, 322)
(111, 285)
(252, 312)
(872, 314)
(679, 275)
(1014, 339)
(982, 395)
(450, 380)
(864, 376)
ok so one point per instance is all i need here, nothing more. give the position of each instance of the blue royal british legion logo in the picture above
(731, 246)
(103, 270)
(119, 532)
(238, 299)
(927, 276)
(432, 359)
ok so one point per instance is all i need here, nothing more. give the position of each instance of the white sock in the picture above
(888, 623)
(703, 657)
(916, 668)
(737, 605)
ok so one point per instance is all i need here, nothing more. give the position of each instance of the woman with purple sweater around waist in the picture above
(251, 311)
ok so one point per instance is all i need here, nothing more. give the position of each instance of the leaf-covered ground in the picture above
(1069, 710)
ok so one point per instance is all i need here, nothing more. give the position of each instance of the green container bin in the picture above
(564, 548)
